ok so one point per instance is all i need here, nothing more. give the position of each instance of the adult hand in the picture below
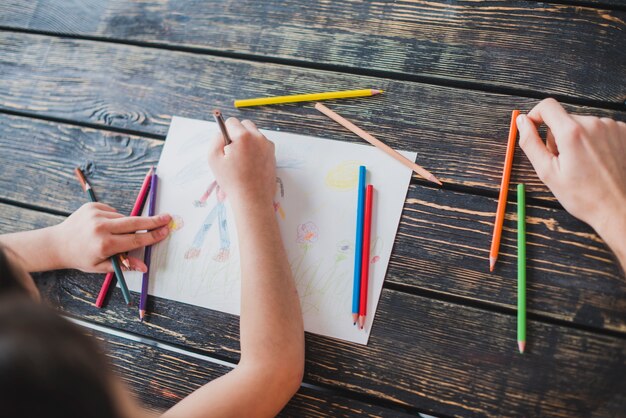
(583, 162)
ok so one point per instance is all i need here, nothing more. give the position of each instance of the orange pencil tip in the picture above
(125, 261)
(492, 263)
(81, 178)
(522, 346)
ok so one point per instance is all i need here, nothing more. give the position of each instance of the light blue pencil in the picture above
(358, 245)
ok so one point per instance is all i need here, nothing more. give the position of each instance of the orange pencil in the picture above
(504, 190)
(377, 143)
(125, 261)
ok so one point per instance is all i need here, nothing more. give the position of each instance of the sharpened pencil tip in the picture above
(492, 263)
(435, 180)
(376, 91)
(81, 178)
(521, 345)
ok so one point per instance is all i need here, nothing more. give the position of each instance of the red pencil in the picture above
(137, 208)
(365, 263)
(104, 289)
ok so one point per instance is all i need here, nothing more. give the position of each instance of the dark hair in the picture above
(48, 367)
(10, 280)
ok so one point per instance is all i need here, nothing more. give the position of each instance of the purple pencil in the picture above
(148, 251)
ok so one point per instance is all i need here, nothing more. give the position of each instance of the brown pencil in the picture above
(377, 143)
(504, 190)
(220, 122)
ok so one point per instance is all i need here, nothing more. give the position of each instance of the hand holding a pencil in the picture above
(245, 168)
(583, 162)
(96, 232)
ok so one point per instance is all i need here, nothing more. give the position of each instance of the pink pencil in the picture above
(139, 202)
(365, 264)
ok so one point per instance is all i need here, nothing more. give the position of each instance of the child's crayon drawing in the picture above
(280, 190)
(315, 206)
(344, 176)
(217, 213)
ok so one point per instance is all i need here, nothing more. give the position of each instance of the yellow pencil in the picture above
(260, 101)
(377, 143)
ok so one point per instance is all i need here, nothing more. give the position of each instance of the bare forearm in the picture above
(613, 232)
(38, 249)
(271, 318)
(272, 335)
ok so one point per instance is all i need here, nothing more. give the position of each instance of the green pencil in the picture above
(116, 264)
(521, 268)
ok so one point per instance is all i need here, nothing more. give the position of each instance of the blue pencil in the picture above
(148, 251)
(358, 245)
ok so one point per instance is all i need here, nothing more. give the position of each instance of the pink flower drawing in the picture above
(307, 233)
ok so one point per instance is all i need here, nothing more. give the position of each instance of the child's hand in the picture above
(246, 168)
(96, 231)
(584, 164)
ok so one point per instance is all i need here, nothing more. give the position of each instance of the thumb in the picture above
(543, 161)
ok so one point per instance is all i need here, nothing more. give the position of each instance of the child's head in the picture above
(48, 366)
(14, 280)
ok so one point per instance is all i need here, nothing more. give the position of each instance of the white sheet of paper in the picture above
(315, 206)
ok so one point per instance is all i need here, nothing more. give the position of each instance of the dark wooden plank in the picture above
(609, 4)
(421, 352)
(459, 135)
(437, 356)
(530, 46)
(442, 357)
(160, 378)
(443, 239)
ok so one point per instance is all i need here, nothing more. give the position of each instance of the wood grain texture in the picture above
(609, 4)
(442, 244)
(440, 356)
(460, 136)
(161, 378)
(545, 48)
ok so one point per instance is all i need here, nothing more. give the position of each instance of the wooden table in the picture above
(96, 82)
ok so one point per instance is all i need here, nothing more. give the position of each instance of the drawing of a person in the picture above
(219, 212)
(277, 207)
